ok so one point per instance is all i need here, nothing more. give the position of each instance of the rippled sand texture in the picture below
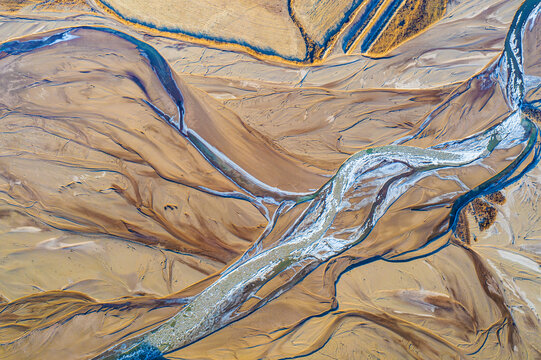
(270, 179)
(291, 30)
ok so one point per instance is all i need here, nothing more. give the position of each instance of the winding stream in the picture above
(314, 238)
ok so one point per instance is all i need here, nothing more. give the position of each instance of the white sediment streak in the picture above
(313, 240)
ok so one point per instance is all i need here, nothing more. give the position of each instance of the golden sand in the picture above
(147, 152)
